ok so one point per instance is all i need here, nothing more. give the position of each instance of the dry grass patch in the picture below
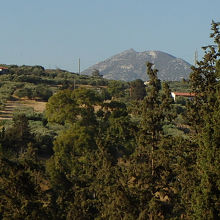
(7, 112)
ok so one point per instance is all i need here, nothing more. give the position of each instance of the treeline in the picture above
(115, 161)
(38, 83)
(35, 82)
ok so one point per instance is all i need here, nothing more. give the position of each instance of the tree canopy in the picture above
(110, 161)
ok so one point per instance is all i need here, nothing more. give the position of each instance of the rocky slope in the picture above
(130, 65)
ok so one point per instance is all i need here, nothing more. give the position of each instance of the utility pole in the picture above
(196, 57)
(79, 66)
(74, 82)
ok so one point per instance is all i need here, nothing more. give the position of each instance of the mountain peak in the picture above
(130, 65)
(153, 54)
(131, 50)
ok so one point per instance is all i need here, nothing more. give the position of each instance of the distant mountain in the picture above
(130, 65)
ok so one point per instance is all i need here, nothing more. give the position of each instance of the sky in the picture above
(57, 33)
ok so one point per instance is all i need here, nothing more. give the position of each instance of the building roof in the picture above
(3, 68)
(184, 94)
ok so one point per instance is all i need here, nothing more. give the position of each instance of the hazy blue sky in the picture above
(56, 33)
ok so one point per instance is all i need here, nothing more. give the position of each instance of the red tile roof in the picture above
(184, 94)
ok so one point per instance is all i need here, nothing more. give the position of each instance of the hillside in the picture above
(31, 86)
(130, 65)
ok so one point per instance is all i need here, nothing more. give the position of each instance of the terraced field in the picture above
(11, 106)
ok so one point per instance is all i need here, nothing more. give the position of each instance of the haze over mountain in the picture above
(130, 65)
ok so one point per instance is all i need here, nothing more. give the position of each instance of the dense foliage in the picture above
(118, 152)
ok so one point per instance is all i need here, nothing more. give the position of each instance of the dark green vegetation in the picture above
(116, 152)
(36, 82)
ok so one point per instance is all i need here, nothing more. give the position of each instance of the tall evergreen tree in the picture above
(152, 116)
(204, 112)
(18, 137)
(150, 167)
(137, 89)
(21, 190)
(167, 103)
(69, 169)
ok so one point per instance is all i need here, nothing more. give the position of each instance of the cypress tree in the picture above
(150, 165)
(205, 120)
(21, 189)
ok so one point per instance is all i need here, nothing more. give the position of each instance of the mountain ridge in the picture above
(130, 65)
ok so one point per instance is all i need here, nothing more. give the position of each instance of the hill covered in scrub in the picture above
(36, 82)
(22, 85)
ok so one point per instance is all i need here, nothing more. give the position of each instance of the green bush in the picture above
(24, 92)
(181, 100)
(42, 92)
